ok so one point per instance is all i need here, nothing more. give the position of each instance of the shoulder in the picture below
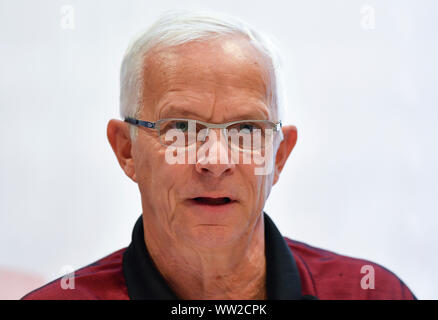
(329, 275)
(102, 279)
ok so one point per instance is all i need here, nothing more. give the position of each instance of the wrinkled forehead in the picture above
(223, 65)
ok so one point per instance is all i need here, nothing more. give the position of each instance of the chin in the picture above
(212, 236)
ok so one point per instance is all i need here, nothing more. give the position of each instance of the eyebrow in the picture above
(177, 112)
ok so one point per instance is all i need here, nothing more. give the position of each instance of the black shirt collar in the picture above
(144, 281)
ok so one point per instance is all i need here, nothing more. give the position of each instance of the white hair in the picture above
(179, 27)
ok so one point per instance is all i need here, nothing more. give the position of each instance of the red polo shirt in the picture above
(294, 270)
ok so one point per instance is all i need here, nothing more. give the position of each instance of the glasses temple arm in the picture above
(136, 122)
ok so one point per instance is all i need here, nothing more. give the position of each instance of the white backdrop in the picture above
(362, 180)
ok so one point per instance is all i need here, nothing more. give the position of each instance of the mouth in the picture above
(209, 201)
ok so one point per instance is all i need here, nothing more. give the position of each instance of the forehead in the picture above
(225, 69)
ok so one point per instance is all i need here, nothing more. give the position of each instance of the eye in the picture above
(246, 127)
(181, 125)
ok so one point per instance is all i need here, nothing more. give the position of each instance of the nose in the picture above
(215, 169)
(216, 161)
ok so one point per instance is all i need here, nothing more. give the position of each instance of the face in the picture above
(216, 81)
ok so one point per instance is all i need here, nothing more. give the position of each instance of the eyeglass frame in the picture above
(155, 125)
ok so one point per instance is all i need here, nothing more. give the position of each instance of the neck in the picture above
(237, 271)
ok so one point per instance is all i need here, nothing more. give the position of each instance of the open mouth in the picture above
(212, 201)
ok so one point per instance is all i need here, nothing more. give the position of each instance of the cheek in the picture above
(257, 187)
(158, 181)
(145, 158)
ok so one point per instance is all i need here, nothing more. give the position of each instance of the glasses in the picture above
(245, 135)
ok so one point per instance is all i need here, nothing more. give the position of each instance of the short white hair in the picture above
(179, 27)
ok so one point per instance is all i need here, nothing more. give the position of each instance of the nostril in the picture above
(215, 169)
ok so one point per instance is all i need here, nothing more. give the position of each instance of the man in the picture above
(193, 89)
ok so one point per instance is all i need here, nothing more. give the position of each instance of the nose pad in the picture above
(225, 133)
(206, 132)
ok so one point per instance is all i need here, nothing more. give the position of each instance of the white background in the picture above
(362, 180)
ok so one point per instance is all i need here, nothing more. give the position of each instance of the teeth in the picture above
(213, 201)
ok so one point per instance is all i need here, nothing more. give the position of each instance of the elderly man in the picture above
(202, 137)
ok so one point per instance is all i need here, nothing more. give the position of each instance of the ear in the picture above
(120, 139)
(284, 149)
